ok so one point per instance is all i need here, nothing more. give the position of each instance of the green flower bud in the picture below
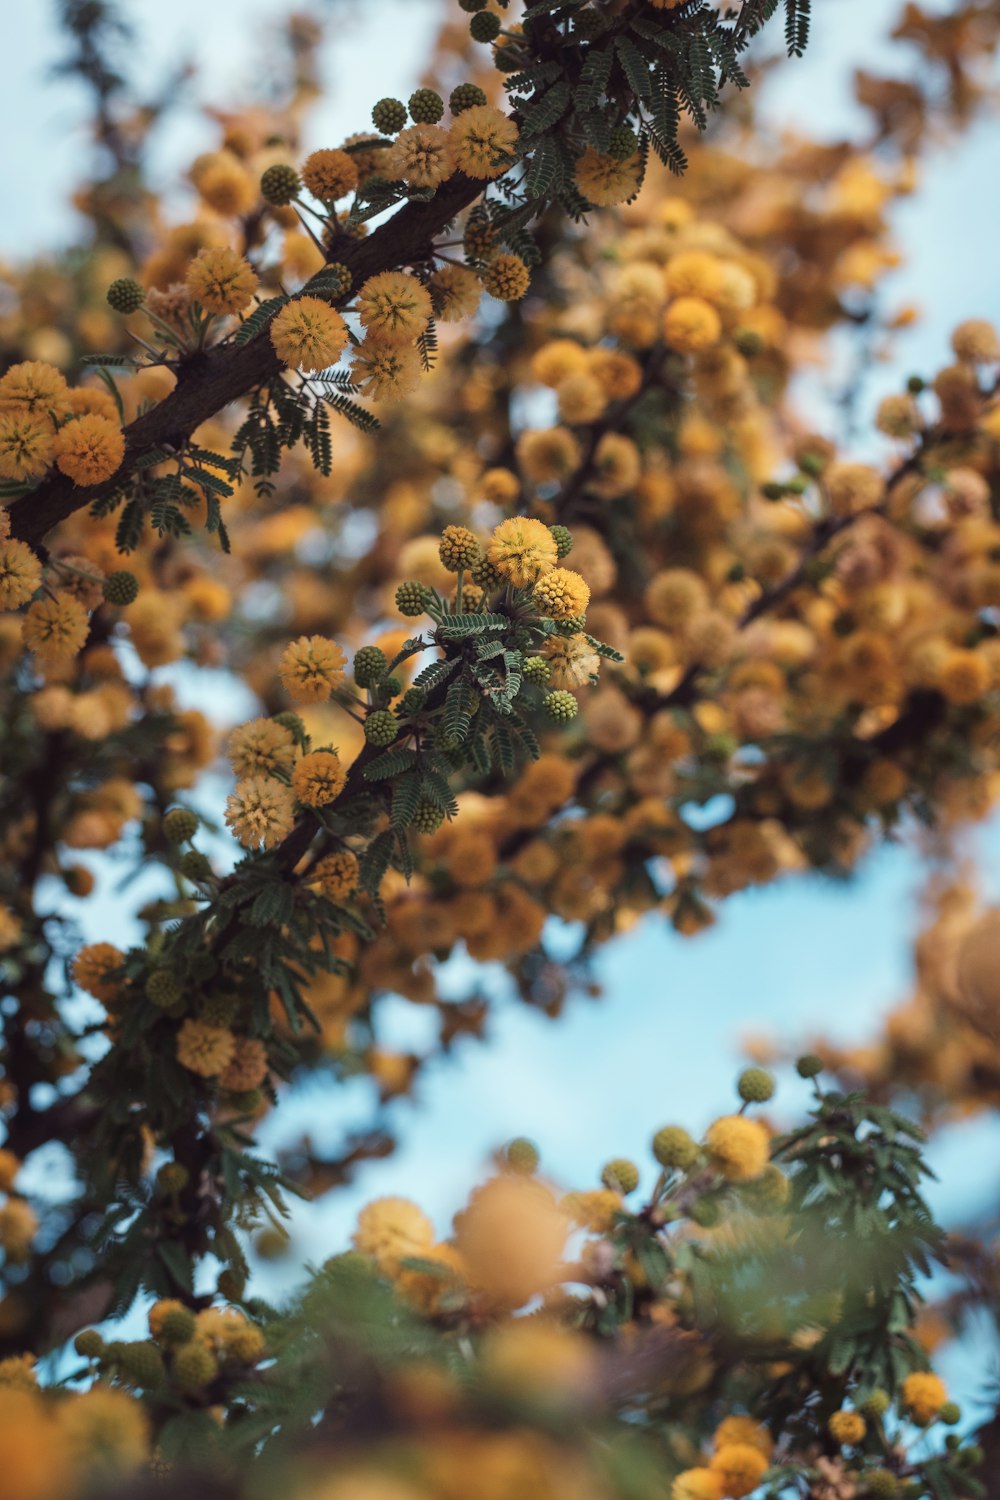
(485, 27)
(620, 1175)
(120, 587)
(369, 665)
(673, 1147)
(180, 824)
(126, 295)
(561, 706)
(412, 598)
(465, 96)
(426, 107)
(755, 1085)
(521, 1155)
(380, 727)
(279, 184)
(389, 115)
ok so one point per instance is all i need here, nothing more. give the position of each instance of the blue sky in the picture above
(795, 959)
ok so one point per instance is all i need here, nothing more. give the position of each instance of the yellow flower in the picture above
(260, 748)
(318, 778)
(308, 335)
(336, 875)
(330, 175)
(697, 1484)
(522, 550)
(924, 1394)
(25, 445)
(455, 293)
(852, 488)
(390, 1230)
(740, 1467)
(90, 969)
(89, 449)
(738, 1147)
(394, 306)
(225, 184)
(387, 371)
(311, 668)
(260, 811)
(847, 1427)
(248, 1067)
(206, 1050)
(511, 1238)
(548, 455)
(604, 180)
(595, 1210)
(33, 1458)
(36, 388)
(690, 324)
(422, 154)
(55, 628)
(963, 678)
(106, 1431)
(222, 280)
(506, 277)
(484, 140)
(572, 660)
(18, 1227)
(20, 574)
(743, 1430)
(562, 594)
(17, 1372)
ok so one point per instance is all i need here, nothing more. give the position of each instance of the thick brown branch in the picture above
(214, 380)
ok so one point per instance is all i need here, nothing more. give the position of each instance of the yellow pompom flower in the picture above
(924, 1394)
(605, 180)
(248, 1067)
(697, 1484)
(20, 573)
(106, 1431)
(522, 550)
(391, 1230)
(25, 445)
(222, 280)
(738, 1147)
(963, 678)
(423, 155)
(260, 748)
(852, 488)
(330, 175)
(203, 1049)
(35, 387)
(847, 1427)
(336, 875)
(561, 594)
(484, 140)
(506, 277)
(455, 293)
(55, 629)
(88, 449)
(394, 306)
(318, 778)
(311, 668)
(386, 371)
(572, 660)
(260, 811)
(91, 968)
(308, 335)
(740, 1467)
(743, 1430)
(690, 324)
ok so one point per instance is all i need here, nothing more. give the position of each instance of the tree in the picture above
(589, 573)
